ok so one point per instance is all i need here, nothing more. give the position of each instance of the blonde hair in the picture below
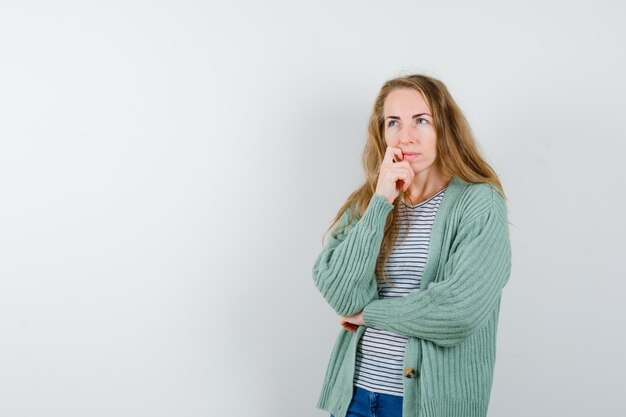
(457, 153)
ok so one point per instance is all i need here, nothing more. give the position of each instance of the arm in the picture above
(344, 271)
(449, 310)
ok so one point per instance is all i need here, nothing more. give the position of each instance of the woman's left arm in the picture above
(449, 310)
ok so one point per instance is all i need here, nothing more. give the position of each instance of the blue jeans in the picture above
(373, 404)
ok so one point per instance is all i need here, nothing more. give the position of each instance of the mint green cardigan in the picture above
(451, 322)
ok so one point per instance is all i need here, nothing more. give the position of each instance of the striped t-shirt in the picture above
(380, 353)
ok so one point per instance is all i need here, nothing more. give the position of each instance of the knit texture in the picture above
(451, 323)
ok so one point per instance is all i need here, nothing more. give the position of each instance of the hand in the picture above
(352, 323)
(395, 174)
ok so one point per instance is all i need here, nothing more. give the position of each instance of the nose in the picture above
(407, 134)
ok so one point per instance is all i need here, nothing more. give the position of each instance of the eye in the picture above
(389, 124)
(422, 121)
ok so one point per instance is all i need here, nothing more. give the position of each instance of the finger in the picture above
(405, 173)
(408, 179)
(345, 323)
(349, 327)
(393, 154)
(401, 174)
(411, 173)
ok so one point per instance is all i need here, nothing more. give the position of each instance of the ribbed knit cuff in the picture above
(377, 210)
(375, 314)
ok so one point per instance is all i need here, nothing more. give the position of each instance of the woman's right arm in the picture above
(344, 271)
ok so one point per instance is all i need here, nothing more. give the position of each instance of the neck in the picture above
(425, 185)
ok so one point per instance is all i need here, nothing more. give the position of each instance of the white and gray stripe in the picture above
(380, 353)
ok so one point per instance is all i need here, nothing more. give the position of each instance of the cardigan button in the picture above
(409, 372)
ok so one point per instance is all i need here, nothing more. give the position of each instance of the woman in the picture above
(416, 265)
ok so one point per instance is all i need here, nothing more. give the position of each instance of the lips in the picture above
(410, 156)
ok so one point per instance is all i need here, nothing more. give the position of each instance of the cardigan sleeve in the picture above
(344, 271)
(466, 289)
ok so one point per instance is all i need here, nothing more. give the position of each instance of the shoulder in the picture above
(480, 199)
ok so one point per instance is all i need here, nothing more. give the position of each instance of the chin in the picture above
(421, 167)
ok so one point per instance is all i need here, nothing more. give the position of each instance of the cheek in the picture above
(390, 138)
(433, 147)
(431, 138)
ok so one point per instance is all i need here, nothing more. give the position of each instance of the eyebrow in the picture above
(413, 117)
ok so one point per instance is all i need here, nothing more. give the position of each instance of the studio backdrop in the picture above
(168, 170)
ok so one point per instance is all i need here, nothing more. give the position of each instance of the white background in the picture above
(167, 170)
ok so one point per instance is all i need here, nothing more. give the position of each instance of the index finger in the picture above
(393, 154)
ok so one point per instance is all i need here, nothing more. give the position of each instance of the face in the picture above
(408, 125)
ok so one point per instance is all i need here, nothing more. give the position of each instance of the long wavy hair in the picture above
(458, 153)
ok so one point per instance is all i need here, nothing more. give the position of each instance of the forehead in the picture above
(404, 101)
